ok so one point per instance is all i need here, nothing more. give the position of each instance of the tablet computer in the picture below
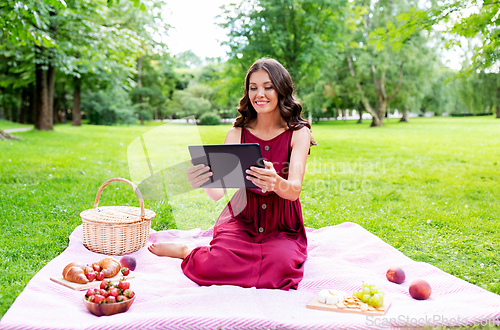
(228, 163)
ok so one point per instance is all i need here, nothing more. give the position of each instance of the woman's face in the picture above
(261, 92)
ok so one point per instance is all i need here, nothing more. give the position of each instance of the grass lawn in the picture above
(5, 124)
(430, 188)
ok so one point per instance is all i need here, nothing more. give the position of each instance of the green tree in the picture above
(470, 19)
(376, 73)
(298, 33)
(76, 38)
(190, 101)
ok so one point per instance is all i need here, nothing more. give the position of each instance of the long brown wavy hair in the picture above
(290, 107)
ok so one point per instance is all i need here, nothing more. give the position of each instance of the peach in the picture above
(129, 262)
(395, 275)
(420, 289)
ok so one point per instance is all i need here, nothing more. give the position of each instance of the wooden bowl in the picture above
(108, 309)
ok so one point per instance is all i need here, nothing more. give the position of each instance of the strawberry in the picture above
(90, 292)
(96, 267)
(104, 293)
(100, 276)
(114, 292)
(125, 271)
(123, 285)
(90, 276)
(98, 299)
(121, 298)
(90, 298)
(106, 285)
(129, 293)
(110, 300)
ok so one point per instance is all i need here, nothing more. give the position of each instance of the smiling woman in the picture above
(268, 80)
(259, 238)
(262, 94)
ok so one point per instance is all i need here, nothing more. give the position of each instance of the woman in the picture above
(259, 238)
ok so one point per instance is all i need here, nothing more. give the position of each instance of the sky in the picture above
(193, 27)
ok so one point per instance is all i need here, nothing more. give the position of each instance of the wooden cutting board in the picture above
(94, 284)
(315, 304)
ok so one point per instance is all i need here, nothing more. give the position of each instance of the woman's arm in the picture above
(232, 137)
(269, 180)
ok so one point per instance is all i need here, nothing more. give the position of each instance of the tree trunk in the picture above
(497, 105)
(404, 118)
(24, 105)
(51, 76)
(10, 112)
(57, 118)
(43, 120)
(366, 104)
(6, 136)
(76, 113)
(2, 106)
(376, 122)
(360, 120)
(33, 104)
(382, 97)
(139, 86)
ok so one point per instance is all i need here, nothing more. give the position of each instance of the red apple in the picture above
(420, 289)
(395, 275)
(128, 262)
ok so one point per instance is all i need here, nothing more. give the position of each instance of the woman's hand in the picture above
(198, 175)
(264, 178)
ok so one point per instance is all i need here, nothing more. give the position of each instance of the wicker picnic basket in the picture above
(116, 230)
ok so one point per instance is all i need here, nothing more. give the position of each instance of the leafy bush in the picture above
(210, 118)
(108, 107)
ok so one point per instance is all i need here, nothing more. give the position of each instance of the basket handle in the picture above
(136, 190)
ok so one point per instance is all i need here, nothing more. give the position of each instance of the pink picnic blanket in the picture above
(340, 257)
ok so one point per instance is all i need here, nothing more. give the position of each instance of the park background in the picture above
(418, 166)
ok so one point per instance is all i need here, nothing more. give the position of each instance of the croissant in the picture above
(76, 272)
(109, 267)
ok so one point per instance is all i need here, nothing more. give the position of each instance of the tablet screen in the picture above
(228, 162)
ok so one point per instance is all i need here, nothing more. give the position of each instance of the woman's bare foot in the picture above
(173, 250)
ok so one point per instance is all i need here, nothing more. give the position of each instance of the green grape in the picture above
(358, 294)
(377, 300)
(366, 290)
(371, 301)
(365, 298)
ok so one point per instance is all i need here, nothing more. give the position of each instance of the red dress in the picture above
(264, 245)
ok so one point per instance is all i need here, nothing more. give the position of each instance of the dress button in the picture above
(266, 148)
(261, 230)
(264, 206)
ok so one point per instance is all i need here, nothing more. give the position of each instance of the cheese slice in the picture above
(331, 297)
